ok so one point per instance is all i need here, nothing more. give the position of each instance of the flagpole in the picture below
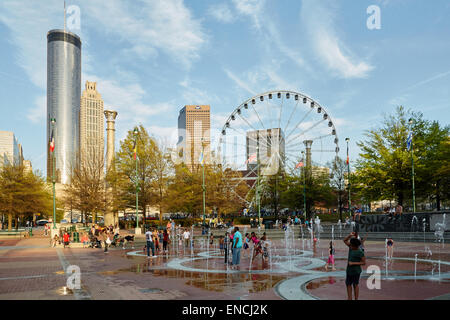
(137, 186)
(348, 178)
(53, 121)
(411, 121)
(203, 183)
(304, 185)
(258, 196)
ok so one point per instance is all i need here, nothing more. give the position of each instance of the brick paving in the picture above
(31, 269)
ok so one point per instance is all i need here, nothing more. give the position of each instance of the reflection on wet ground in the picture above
(192, 268)
(220, 282)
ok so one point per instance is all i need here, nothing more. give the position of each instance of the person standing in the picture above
(398, 210)
(150, 245)
(66, 239)
(330, 261)
(237, 245)
(156, 240)
(104, 238)
(356, 259)
(390, 247)
(186, 236)
(165, 240)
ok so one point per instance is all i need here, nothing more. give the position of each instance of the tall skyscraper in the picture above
(10, 149)
(63, 101)
(92, 141)
(194, 124)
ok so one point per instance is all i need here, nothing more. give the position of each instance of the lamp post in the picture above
(136, 132)
(304, 185)
(411, 122)
(258, 196)
(53, 122)
(348, 177)
(203, 181)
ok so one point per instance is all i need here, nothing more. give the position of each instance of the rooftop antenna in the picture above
(64, 16)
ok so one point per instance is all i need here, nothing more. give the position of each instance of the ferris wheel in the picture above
(277, 132)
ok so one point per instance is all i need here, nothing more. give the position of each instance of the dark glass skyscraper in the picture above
(63, 100)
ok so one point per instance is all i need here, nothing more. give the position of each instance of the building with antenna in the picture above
(63, 101)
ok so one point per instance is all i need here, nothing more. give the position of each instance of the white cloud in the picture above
(149, 26)
(251, 8)
(239, 82)
(319, 21)
(221, 12)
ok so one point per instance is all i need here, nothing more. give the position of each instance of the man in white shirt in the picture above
(149, 239)
(186, 236)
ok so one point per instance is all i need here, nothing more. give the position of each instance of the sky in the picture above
(152, 57)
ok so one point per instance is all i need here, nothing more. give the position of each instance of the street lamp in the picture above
(53, 122)
(304, 185)
(348, 177)
(203, 181)
(258, 195)
(410, 146)
(136, 132)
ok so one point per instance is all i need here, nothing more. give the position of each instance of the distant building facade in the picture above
(266, 148)
(63, 101)
(10, 149)
(92, 137)
(194, 124)
(27, 166)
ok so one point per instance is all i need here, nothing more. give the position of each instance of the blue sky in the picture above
(152, 57)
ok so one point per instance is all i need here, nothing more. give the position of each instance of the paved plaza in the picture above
(31, 269)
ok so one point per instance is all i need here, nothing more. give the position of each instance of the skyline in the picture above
(224, 52)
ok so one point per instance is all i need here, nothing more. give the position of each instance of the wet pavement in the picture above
(30, 269)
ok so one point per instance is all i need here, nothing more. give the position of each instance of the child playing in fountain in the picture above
(330, 258)
(221, 245)
(356, 259)
(246, 242)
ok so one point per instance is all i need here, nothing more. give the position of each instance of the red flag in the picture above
(52, 143)
(300, 164)
(348, 160)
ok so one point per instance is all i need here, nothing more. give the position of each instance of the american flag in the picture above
(52, 143)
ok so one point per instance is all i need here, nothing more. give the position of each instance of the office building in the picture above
(10, 149)
(194, 124)
(92, 141)
(63, 101)
(266, 148)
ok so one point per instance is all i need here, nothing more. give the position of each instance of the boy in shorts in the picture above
(356, 259)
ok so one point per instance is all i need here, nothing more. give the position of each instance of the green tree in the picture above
(23, 193)
(146, 170)
(86, 191)
(383, 171)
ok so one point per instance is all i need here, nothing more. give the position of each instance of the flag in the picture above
(300, 164)
(201, 159)
(348, 160)
(134, 149)
(409, 141)
(52, 142)
(251, 159)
